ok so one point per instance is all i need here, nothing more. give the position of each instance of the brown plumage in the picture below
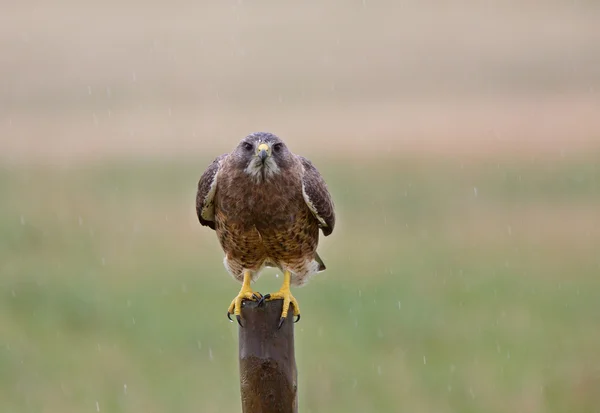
(266, 205)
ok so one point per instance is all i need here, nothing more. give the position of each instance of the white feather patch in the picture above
(208, 207)
(255, 169)
(312, 207)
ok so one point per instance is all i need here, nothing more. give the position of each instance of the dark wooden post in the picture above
(268, 375)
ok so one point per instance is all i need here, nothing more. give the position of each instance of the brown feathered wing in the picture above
(207, 187)
(317, 197)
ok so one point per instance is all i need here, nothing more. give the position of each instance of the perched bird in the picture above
(266, 205)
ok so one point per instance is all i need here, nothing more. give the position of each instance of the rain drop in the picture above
(97, 406)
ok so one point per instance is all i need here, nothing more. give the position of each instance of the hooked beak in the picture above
(263, 151)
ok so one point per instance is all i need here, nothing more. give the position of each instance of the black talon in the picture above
(280, 323)
(297, 319)
(239, 320)
(229, 316)
(261, 301)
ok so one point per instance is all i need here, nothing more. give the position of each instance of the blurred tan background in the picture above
(89, 79)
(460, 141)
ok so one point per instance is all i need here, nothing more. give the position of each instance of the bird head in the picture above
(263, 155)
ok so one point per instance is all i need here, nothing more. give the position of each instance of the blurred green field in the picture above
(451, 287)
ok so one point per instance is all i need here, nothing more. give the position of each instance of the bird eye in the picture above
(277, 147)
(247, 146)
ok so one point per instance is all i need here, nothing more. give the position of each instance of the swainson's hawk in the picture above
(266, 206)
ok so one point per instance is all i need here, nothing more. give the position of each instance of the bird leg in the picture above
(285, 294)
(245, 293)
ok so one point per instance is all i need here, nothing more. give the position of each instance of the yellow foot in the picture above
(235, 307)
(246, 293)
(287, 297)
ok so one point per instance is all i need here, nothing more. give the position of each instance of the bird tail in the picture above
(321, 263)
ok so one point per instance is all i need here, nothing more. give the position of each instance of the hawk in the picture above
(266, 205)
